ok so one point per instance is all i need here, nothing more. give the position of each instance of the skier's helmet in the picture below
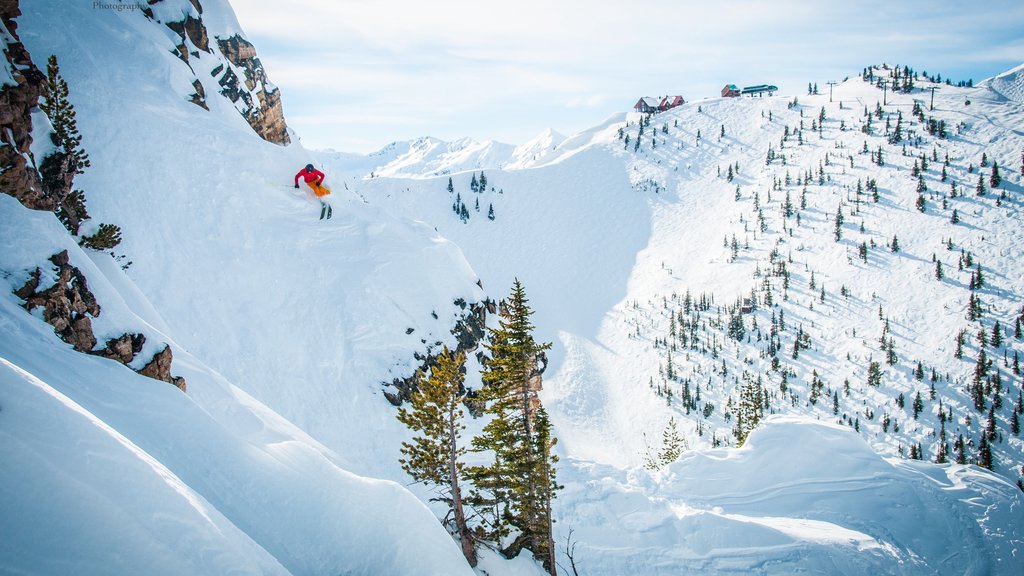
(309, 167)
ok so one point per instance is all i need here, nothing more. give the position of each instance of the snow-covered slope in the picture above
(269, 313)
(1010, 84)
(283, 455)
(609, 239)
(799, 497)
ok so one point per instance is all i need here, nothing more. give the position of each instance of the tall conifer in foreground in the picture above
(517, 487)
(433, 457)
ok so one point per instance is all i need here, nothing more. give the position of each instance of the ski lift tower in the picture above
(830, 83)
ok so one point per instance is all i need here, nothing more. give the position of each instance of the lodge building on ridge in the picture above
(731, 91)
(648, 105)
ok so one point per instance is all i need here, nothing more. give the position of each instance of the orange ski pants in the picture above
(319, 189)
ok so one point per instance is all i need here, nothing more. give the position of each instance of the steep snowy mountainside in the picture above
(284, 328)
(334, 299)
(104, 464)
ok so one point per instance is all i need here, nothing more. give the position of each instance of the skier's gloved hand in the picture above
(296, 185)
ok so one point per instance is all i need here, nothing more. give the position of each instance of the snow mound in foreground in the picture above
(800, 496)
(109, 472)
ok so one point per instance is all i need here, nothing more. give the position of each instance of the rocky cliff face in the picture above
(18, 96)
(69, 306)
(237, 70)
(38, 183)
(265, 115)
(469, 331)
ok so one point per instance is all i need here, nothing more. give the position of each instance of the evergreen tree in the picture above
(672, 444)
(106, 237)
(897, 134)
(939, 275)
(68, 157)
(61, 112)
(895, 246)
(517, 486)
(984, 452)
(980, 188)
(942, 453)
(490, 212)
(955, 217)
(750, 411)
(960, 450)
(435, 455)
(542, 523)
(995, 179)
(473, 184)
(483, 182)
(451, 187)
(874, 374)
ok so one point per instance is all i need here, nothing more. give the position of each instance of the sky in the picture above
(357, 75)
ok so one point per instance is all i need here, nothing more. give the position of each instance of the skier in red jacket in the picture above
(314, 179)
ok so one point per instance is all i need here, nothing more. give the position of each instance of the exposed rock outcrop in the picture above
(254, 96)
(266, 116)
(123, 349)
(38, 183)
(18, 175)
(469, 331)
(159, 368)
(69, 306)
